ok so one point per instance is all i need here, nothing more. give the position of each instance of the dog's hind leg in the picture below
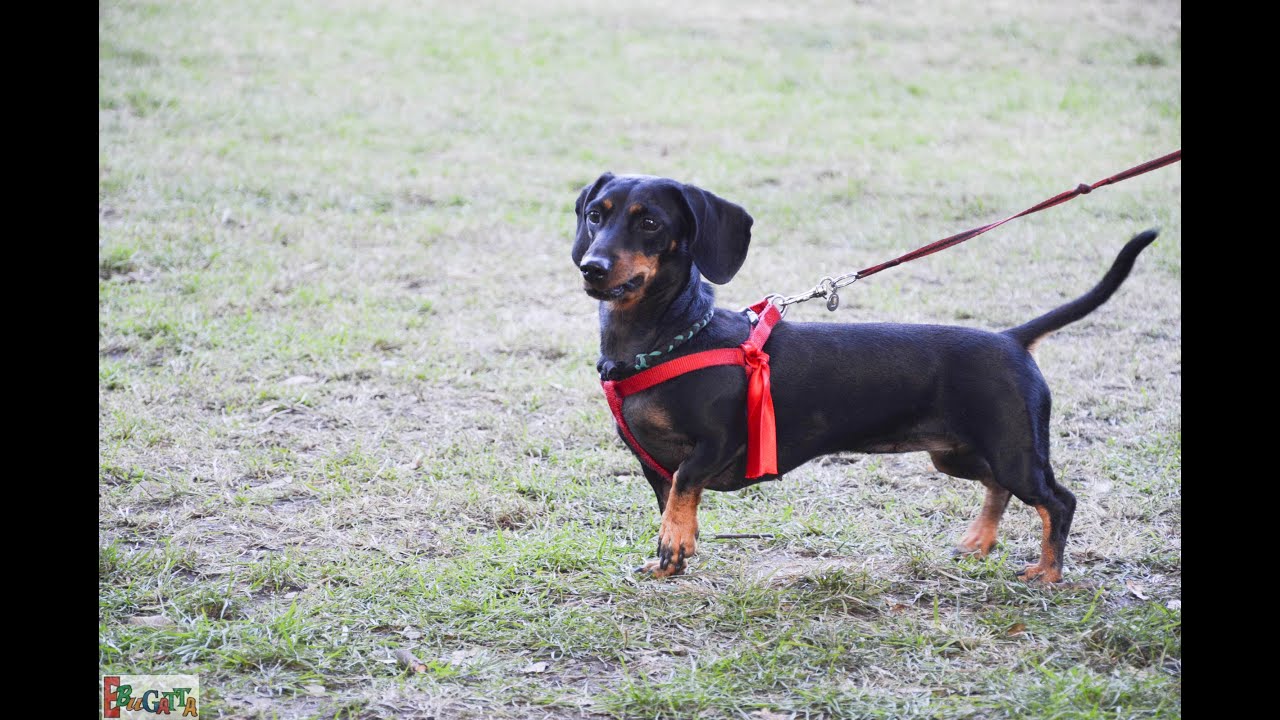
(1056, 510)
(966, 464)
(1028, 476)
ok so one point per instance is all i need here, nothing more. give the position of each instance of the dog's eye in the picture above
(650, 225)
(593, 217)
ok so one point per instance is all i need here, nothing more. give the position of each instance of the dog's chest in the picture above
(655, 426)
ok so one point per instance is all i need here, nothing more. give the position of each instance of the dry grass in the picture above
(346, 392)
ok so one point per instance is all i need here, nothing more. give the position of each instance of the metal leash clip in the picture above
(828, 288)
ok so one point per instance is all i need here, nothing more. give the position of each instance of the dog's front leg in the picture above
(678, 536)
(661, 487)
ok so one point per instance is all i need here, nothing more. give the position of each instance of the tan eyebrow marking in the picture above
(607, 203)
(637, 207)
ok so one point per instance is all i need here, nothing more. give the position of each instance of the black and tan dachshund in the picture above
(974, 400)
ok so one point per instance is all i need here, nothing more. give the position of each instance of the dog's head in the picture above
(635, 229)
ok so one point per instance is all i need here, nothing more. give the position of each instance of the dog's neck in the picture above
(657, 317)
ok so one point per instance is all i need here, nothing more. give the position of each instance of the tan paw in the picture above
(1041, 573)
(971, 546)
(656, 569)
(677, 541)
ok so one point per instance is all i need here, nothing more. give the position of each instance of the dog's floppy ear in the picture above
(582, 240)
(721, 233)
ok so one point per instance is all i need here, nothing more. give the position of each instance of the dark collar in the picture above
(616, 371)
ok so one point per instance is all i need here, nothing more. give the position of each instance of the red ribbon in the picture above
(762, 431)
(762, 440)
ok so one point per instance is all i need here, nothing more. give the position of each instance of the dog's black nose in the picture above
(595, 269)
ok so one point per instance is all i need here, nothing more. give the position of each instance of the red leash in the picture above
(829, 286)
(1058, 199)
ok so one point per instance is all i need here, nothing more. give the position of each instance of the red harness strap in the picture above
(762, 438)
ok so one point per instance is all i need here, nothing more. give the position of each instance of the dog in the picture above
(974, 400)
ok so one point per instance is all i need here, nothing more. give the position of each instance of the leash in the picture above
(829, 287)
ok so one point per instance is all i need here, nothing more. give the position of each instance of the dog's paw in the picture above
(655, 568)
(677, 542)
(968, 548)
(1045, 574)
(978, 540)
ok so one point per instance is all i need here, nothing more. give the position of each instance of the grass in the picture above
(347, 403)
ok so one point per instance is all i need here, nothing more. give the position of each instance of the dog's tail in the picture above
(1029, 333)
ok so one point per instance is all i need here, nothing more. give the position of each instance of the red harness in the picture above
(762, 440)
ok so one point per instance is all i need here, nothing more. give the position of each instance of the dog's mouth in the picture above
(617, 291)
